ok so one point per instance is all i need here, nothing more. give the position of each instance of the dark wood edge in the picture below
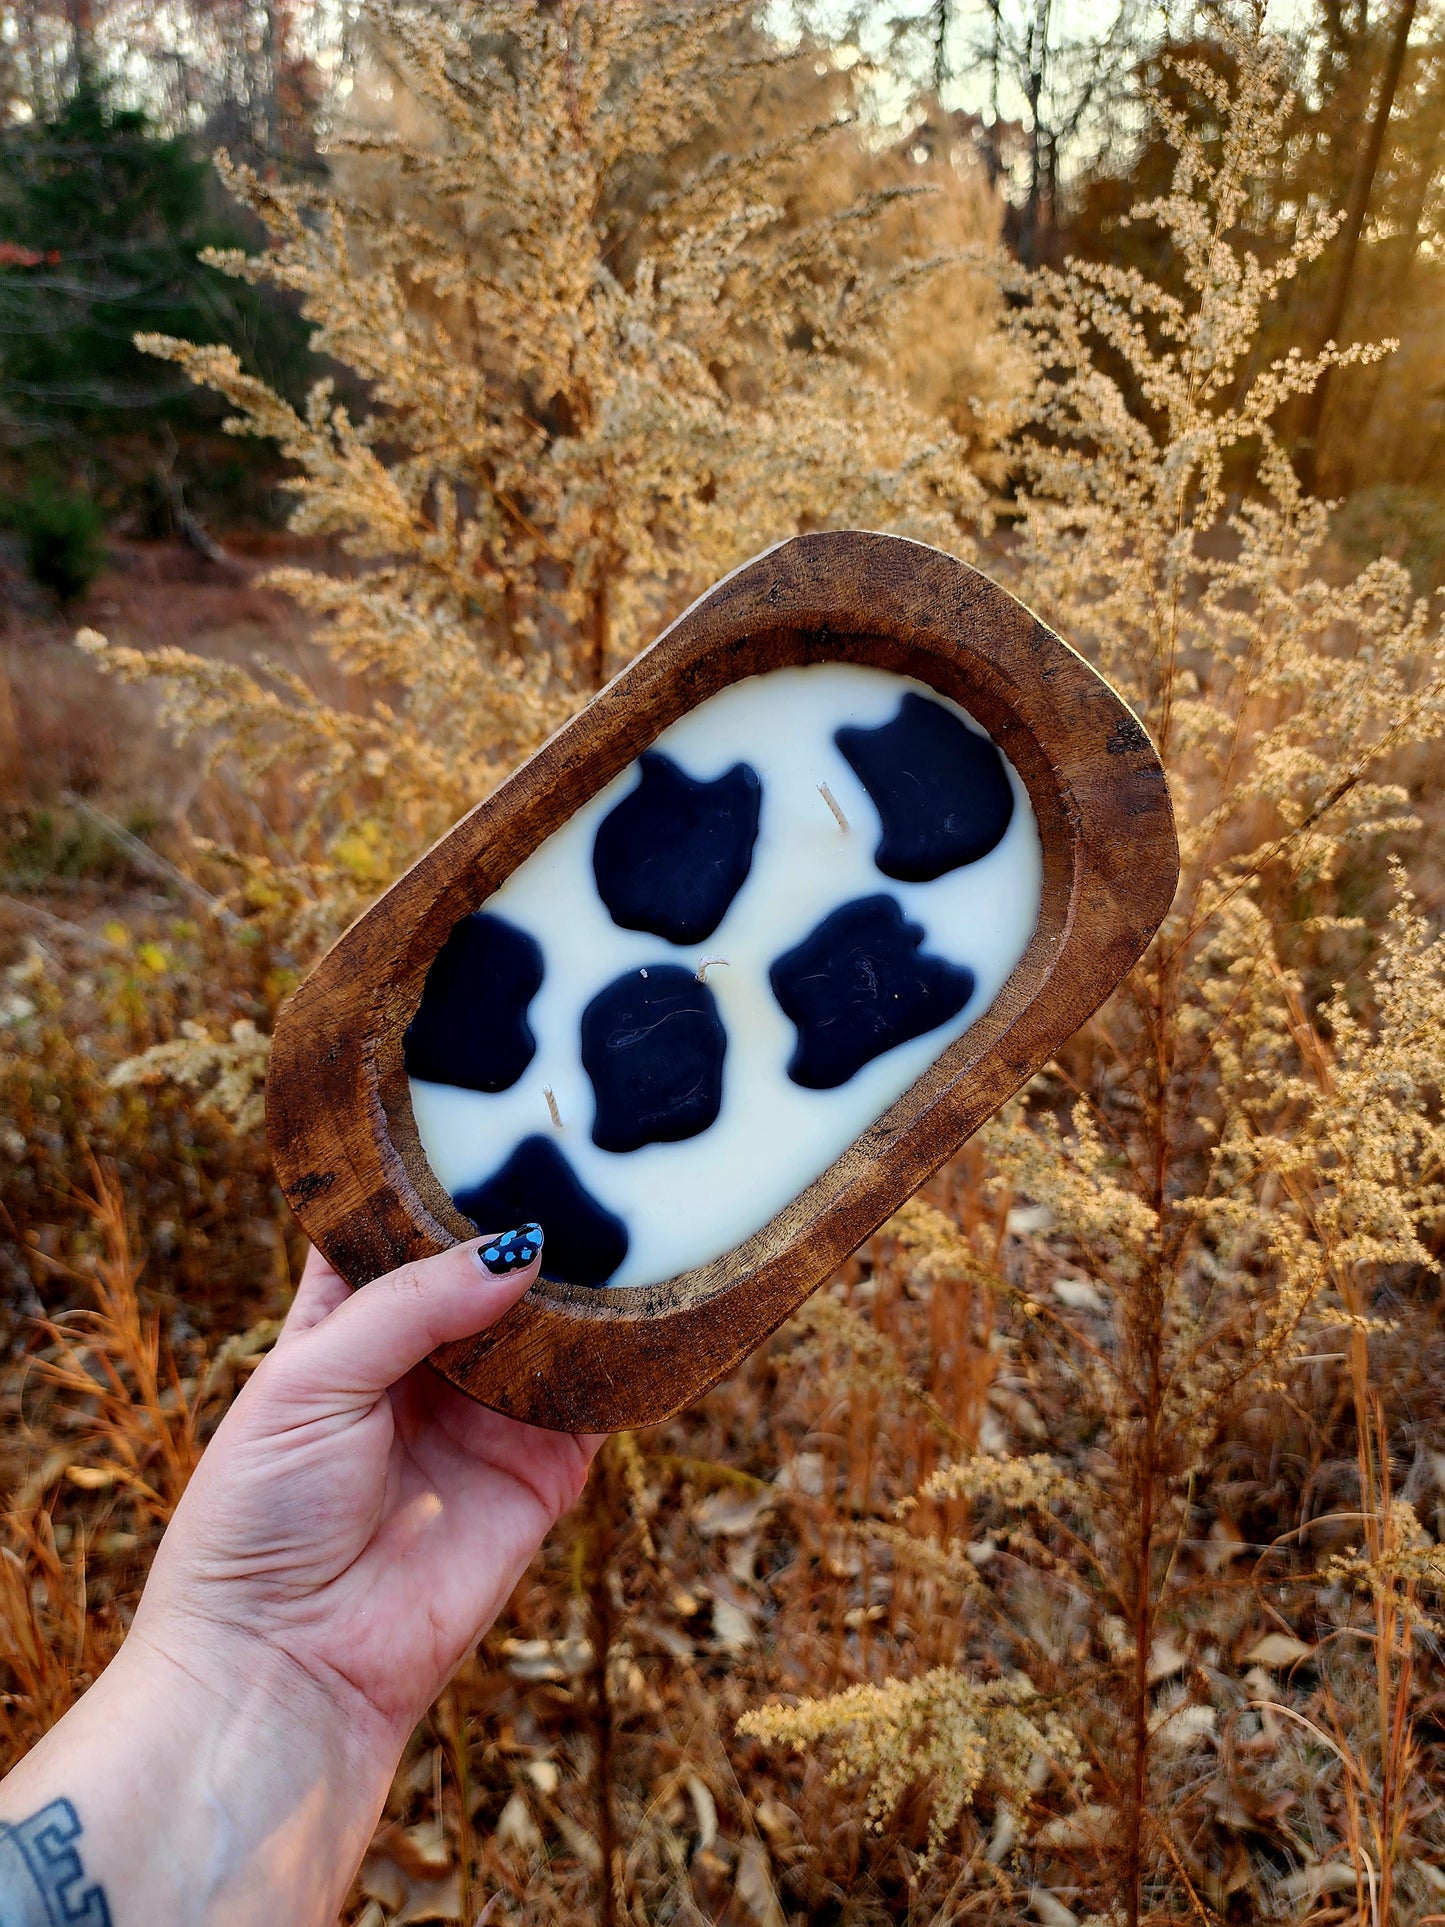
(338, 1111)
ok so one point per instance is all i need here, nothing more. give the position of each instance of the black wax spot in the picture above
(941, 789)
(857, 986)
(471, 1026)
(653, 1045)
(673, 854)
(584, 1243)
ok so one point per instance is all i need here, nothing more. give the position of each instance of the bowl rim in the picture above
(339, 1117)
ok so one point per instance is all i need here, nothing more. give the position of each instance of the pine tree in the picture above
(101, 220)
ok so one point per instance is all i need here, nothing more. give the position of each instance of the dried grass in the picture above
(1085, 1530)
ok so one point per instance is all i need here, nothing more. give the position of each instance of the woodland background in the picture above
(1074, 1556)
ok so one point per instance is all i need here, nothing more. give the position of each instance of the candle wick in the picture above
(832, 802)
(552, 1106)
(706, 965)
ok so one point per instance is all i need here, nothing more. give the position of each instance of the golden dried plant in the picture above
(628, 300)
(1231, 1165)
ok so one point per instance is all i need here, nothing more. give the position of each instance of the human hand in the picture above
(353, 1526)
(354, 1513)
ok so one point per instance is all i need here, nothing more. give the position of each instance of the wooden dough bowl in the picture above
(338, 1111)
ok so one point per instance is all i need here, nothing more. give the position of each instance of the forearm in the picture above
(230, 1793)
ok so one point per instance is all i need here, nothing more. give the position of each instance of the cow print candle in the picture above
(692, 998)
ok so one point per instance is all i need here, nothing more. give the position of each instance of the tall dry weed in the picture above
(1225, 1192)
(125, 1420)
(628, 300)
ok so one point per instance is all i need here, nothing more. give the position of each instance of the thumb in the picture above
(390, 1325)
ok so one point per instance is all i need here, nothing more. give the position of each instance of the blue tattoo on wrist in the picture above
(41, 1876)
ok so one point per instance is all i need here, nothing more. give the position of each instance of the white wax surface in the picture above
(685, 1204)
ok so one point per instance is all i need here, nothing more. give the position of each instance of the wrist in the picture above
(258, 1694)
(300, 1763)
(214, 1780)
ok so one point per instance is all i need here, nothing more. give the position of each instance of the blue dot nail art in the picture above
(513, 1251)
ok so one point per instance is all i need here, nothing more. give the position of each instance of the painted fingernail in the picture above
(510, 1250)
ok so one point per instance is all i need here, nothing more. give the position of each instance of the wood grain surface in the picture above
(338, 1110)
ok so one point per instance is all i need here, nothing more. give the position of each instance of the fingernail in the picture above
(510, 1250)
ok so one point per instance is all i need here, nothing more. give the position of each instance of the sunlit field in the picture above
(1074, 1556)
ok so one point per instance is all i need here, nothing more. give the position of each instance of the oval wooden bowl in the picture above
(337, 1105)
